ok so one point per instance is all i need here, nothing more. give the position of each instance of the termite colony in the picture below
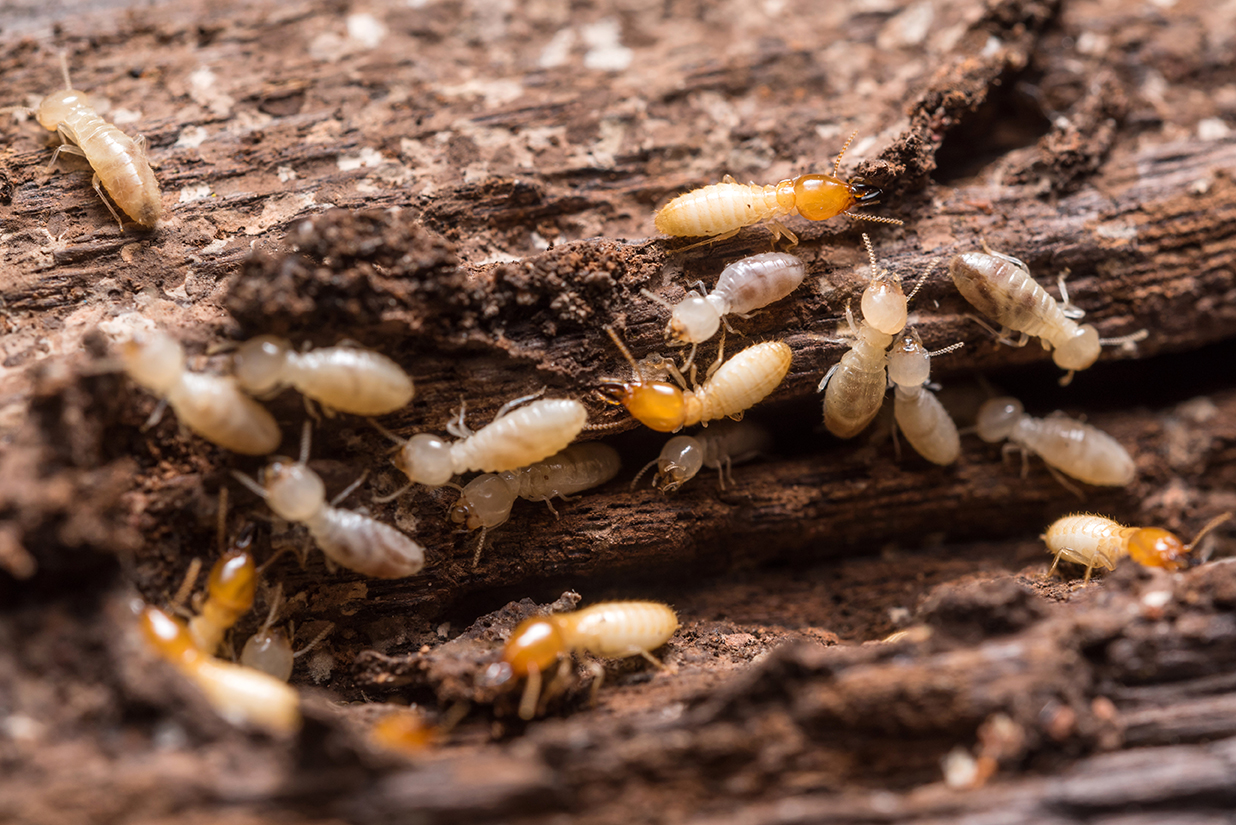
(530, 449)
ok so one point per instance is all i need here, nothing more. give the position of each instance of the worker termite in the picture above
(210, 405)
(744, 286)
(348, 379)
(719, 447)
(486, 501)
(919, 414)
(120, 165)
(1096, 541)
(737, 385)
(610, 629)
(270, 648)
(514, 439)
(351, 539)
(1075, 449)
(1000, 286)
(720, 210)
(241, 695)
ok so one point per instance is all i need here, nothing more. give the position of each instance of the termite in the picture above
(743, 287)
(737, 385)
(348, 379)
(720, 210)
(241, 695)
(1096, 541)
(719, 447)
(270, 649)
(919, 414)
(854, 387)
(1075, 449)
(486, 501)
(1000, 286)
(609, 629)
(120, 165)
(229, 595)
(351, 539)
(212, 406)
(514, 439)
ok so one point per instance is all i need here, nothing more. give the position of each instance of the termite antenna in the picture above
(317, 640)
(626, 353)
(390, 435)
(875, 270)
(387, 499)
(656, 299)
(64, 69)
(640, 474)
(1210, 525)
(221, 523)
(841, 154)
(306, 432)
(254, 487)
(874, 218)
(1131, 338)
(947, 349)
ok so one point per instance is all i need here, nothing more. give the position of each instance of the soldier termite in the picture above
(241, 695)
(485, 502)
(514, 439)
(1075, 449)
(270, 648)
(348, 379)
(119, 162)
(720, 210)
(229, 595)
(1096, 541)
(212, 406)
(719, 447)
(737, 385)
(1001, 288)
(351, 539)
(919, 414)
(609, 629)
(743, 287)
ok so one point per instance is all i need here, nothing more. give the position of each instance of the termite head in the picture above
(154, 360)
(694, 320)
(909, 365)
(535, 644)
(233, 581)
(57, 106)
(997, 417)
(657, 405)
(259, 363)
(169, 638)
(485, 502)
(425, 459)
(270, 652)
(293, 491)
(820, 197)
(680, 460)
(1079, 351)
(1156, 547)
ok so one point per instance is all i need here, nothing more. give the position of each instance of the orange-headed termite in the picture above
(719, 447)
(119, 162)
(720, 210)
(1096, 541)
(920, 416)
(211, 405)
(348, 379)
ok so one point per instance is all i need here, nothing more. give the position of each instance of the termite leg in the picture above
(457, 427)
(515, 402)
(714, 239)
(827, 376)
(716, 365)
(532, 692)
(392, 496)
(1058, 476)
(155, 416)
(598, 678)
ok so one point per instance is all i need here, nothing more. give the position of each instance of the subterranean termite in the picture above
(920, 416)
(721, 446)
(121, 168)
(347, 379)
(1096, 541)
(720, 210)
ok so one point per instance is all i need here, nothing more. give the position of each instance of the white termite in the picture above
(351, 539)
(348, 379)
(1000, 286)
(486, 501)
(743, 287)
(270, 648)
(120, 165)
(212, 406)
(515, 438)
(1097, 541)
(1075, 449)
(719, 447)
(919, 414)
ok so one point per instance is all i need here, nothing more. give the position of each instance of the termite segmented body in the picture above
(610, 629)
(119, 162)
(213, 406)
(719, 447)
(486, 500)
(229, 595)
(514, 439)
(720, 210)
(1000, 286)
(744, 286)
(919, 414)
(348, 379)
(738, 384)
(353, 540)
(1096, 541)
(1075, 449)
(239, 694)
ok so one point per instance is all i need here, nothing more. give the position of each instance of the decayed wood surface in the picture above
(402, 195)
